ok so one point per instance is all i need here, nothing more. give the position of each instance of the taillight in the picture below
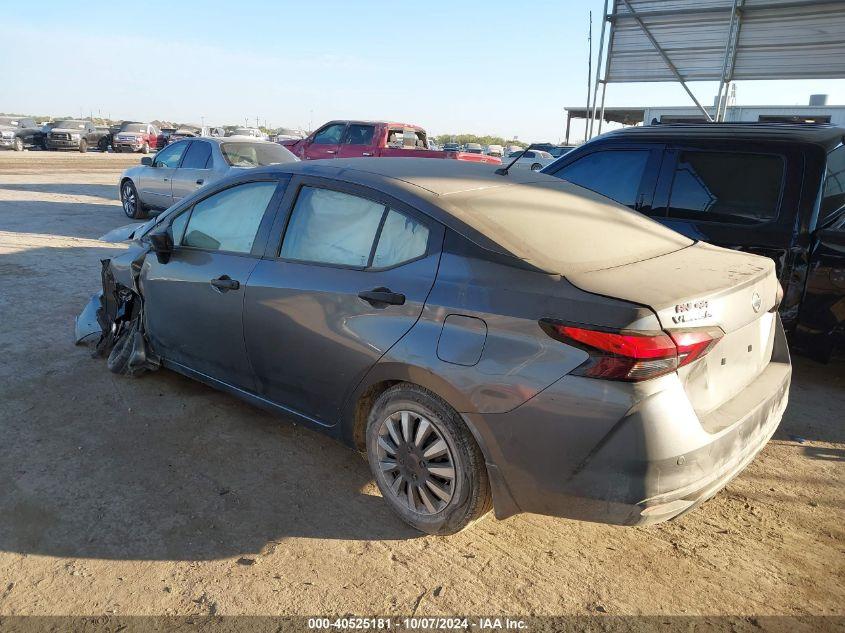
(633, 356)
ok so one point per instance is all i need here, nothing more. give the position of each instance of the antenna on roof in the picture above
(503, 171)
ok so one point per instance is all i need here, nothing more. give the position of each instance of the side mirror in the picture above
(147, 160)
(162, 244)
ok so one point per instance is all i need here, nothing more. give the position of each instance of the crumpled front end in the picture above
(117, 315)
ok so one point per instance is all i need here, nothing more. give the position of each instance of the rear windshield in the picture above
(133, 127)
(248, 154)
(728, 187)
(562, 228)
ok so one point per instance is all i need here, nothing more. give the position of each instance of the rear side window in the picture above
(359, 135)
(833, 196)
(616, 174)
(229, 220)
(402, 239)
(197, 156)
(726, 187)
(332, 227)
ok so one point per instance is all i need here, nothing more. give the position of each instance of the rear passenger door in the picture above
(348, 279)
(193, 170)
(358, 141)
(626, 174)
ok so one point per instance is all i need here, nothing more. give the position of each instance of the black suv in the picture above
(19, 132)
(773, 189)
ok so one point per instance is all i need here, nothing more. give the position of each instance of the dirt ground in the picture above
(161, 496)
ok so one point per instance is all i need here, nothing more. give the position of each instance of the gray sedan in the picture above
(183, 167)
(508, 341)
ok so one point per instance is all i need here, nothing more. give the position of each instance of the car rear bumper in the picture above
(599, 451)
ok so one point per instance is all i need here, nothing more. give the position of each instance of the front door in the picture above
(325, 143)
(155, 183)
(194, 301)
(351, 278)
(194, 170)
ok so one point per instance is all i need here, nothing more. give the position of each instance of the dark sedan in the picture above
(508, 341)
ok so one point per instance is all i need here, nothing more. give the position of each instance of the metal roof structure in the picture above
(720, 40)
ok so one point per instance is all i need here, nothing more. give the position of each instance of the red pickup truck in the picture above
(353, 139)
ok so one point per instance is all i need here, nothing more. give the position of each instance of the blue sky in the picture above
(505, 68)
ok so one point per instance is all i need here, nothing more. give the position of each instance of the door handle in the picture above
(200, 181)
(331, 151)
(381, 296)
(225, 283)
(366, 153)
(166, 179)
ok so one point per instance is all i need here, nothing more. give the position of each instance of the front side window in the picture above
(616, 174)
(726, 187)
(198, 156)
(228, 220)
(359, 135)
(833, 195)
(170, 156)
(330, 135)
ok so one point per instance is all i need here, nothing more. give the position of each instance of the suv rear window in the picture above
(726, 187)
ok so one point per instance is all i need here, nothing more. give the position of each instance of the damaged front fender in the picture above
(87, 324)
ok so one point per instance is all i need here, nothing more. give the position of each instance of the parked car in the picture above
(451, 147)
(252, 132)
(555, 150)
(474, 148)
(350, 139)
(138, 137)
(19, 133)
(573, 358)
(751, 187)
(73, 134)
(188, 164)
(495, 150)
(533, 159)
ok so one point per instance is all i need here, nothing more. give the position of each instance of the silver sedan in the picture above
(183, 167)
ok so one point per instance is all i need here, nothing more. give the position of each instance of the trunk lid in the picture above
(704, 286)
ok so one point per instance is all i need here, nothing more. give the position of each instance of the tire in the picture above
(18, 144)
(145, 149)
(536, 167)
(442, 475)
(103, 144)
(83, 146)
(131, 203)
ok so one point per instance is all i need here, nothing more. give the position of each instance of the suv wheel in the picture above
(103, 144)
(83, 146)
(145, 149)
(18, 144)
(425, 461)
(132, 206)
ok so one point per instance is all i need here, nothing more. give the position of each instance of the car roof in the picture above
(546, 222)
(822, 134)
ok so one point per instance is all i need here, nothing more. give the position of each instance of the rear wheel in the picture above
(18, 144)
(132, 206)
(536, 167)
(103, 144)
(425, 461)
(83, 146)
(145, 149)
